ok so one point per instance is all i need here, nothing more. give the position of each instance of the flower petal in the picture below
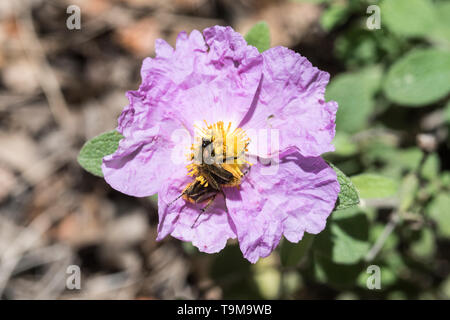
(292, 101)
(313, 195)
(145, 156)
(291, 197)
(212, 229)
(212, 81)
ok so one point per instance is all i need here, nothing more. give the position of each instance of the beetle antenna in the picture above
(171, 202)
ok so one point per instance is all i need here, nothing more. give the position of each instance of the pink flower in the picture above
(216, 87)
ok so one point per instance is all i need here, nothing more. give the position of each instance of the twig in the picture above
(42, 69)
(13, 102)
(373, 252)
(27, 239)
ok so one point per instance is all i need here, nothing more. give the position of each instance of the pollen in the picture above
(218, 145)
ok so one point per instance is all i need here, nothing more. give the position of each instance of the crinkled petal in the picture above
(291, 100)
(176, 64)
(212, 229)
(291, 197)
(214, 80)
(313, 197)
(145, 156)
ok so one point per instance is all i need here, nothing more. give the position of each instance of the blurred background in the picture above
(61, 87)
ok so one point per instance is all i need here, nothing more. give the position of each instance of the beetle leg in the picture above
(210, 202)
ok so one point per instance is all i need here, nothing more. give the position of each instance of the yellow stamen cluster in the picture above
(229, 151)
(193, 171)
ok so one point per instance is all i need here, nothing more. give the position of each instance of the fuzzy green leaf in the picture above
(447, 113)
(348, 196)
(419, 78)
(354, 92)
(374, 186)
(335, 274)
(335, 15)
(409, 18)
(345, 239)
(259, 36)
(93, 151)
(439, 211)
(424, 246)
(291, 254)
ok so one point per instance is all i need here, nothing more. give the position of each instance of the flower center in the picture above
(218, 154)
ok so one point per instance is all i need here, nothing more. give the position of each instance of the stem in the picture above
(373, 252)
(396, 216)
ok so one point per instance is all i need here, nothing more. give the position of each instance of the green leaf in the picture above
(447, 113)
(396, 261)
(336, 14)
(445, 179)
(354, 93)
(93, 151)
(374, 186)
(439, 211)
(419, 78)
(291, 254)
(346, 237)
(424, 247)
(357, 47)
(335, 274)
(348, 196)
(291, 282)
(409, 18)
(267, 277)
(375, 232)
(344, 145)
(431, 167)
(401, 160)
(408, 191)
(441, 33)
(445, 287)
(259, 36)
(233, 274)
